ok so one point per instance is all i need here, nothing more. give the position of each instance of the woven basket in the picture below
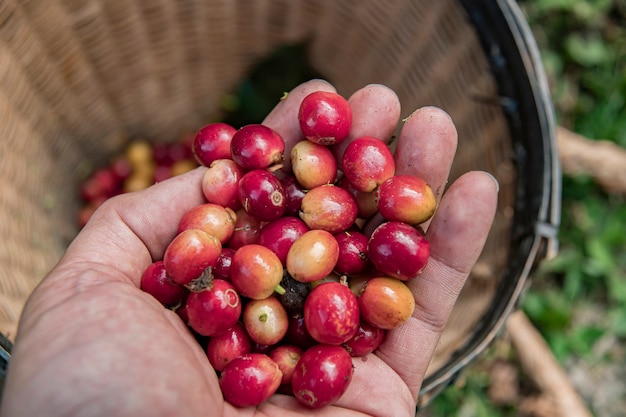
(78, 78)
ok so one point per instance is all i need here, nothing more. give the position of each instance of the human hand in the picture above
(91, 343)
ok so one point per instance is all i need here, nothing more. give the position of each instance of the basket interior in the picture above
(79, 78)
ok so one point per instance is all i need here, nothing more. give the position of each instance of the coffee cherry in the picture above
(313, 164)
(156, 282)
(189, 254)
(255, 271)
(211, 218)
(250, 379)
(287, 358)
(297, 334)
(405, 198)
(325, 117)
(224, 347)
(367, 162)
(278, 235)
(294, 193)
(220, 183)
(261, 194)
(329, 208)
(247, 229)
(312, 256)
(257, 146)
(331, 313)
(353, 258)
(215, 309)
(398, 250)
(222, 266)
(366, 202)
(322, 375)
(265, 320)
(212, 142)
(366, 340)
(386, 302)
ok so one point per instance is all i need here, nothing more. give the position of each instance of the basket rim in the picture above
(539, 239)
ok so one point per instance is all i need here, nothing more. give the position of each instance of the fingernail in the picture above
(495, 180)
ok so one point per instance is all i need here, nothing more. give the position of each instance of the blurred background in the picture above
(577, 301)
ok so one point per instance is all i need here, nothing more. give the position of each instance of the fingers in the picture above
(426, 147)
(457, 234)
(375, 112)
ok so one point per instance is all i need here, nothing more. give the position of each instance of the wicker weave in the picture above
(79, 77)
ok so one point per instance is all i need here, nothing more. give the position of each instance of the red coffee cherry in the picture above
(367, 162)
(215, 309)
(189, 254)
(331, 313)
(405, 198)
(322, 375)
(250, 379)
(255, 271)
(156, 282)
(257, 146)
(262, 196)
(212, 142)
(329, 208)
(398, 250)
(325, 117)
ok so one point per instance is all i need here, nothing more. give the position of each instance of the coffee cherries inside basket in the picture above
(140, 165)
(282, 275)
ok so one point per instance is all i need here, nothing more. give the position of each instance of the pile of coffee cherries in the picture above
(141, 164)
(286, 275)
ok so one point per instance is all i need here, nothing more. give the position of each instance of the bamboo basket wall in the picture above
(79, 77)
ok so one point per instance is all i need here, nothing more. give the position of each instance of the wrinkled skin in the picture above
(90, 343)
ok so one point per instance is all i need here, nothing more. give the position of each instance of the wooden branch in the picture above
(603, 160)
(542, 367)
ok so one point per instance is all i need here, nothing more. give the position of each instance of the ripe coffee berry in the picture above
(328, 207)
(325, 117)
(256, 146)
(215, 309)
(398, 250)
(255, 271)
(156, 281)
(386, 302)
(262, 196)
(212, 142)
(224, 347)
(367, 162)
(331, 313)
(313, 164)
(407, 199)
(250, 379)
(189, 254)
(322, 375)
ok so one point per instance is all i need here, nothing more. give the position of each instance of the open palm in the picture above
(91, 343)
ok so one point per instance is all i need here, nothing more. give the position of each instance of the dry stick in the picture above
(603, 160)
(540, 364)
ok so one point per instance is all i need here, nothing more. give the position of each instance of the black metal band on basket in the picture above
(5, 356)
(525, 100)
